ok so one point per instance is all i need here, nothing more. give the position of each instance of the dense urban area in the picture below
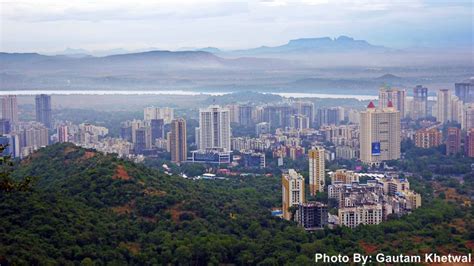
(216, 181)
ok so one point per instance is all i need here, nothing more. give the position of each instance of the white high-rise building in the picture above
(165, 113)
(9, 108)
(443, 106)
(379, 134)
(214, 128)
(292, 184)
(316, 170)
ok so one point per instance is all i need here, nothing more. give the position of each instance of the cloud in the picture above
(43, 11)
(51, 24)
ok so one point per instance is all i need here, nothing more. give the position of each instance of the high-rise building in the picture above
(443, 106)
(467, 116)
(10, 108)
(299, 122)
(316, 170)
(379, 134)
(5, 126)
(469, 145)
(43, 110)
(306, 109)
(453, 141)
(165, 113)
(465, 90)
(312, 215)
(420, 102)
(292, 185)
(63, 133)
(278, 116)
(14, 148)
(142, 139)
(329, 116)
(234, 112)
(245, 115)
(456, 109)
(396, 96)
(262, 128)
(178, 146)
(214, 128)
(428, 138)
(33, 135)
(157, 129)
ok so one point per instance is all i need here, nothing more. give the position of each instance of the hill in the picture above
(341, 44)
(87, 207)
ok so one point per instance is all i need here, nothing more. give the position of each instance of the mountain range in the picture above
(303, 65)
(302, 45)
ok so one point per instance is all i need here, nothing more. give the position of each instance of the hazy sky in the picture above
(48, 26)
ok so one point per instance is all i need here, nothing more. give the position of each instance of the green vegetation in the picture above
(88, 208)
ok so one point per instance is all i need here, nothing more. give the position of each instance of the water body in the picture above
(180, 92)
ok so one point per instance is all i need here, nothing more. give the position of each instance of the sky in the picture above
(52, 26)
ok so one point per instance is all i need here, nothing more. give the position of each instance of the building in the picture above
(157, 129)
(467, 117)
(428, 138)
(306, 109)
(234, 112)
(379, 134)
(211, 156)
(453, 141)
(457, 107)
(370, 213)
(443, 106)
(346, 152)
(329, 116)
(469, 145)
(10, 108)
(5, 126)
(396, 96)
(214, 128)
(245, 115)
(341, 135)
(299, 122)
(312, 215)
(142, 139)
(14, 146)
(63, 133)
(253, 159)
(316, 170)
(32, 136)
(262, 128)
(178, 144)
(292, 185)
(465, 91)
(165, 113)
(344, 176)
(353, 116)
(43, 110)
(420, 102)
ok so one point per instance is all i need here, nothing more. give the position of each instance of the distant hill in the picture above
(389, 77)
(342, 44)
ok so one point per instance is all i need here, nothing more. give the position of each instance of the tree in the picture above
(7, 184)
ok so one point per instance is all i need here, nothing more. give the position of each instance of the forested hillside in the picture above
(90, 208)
